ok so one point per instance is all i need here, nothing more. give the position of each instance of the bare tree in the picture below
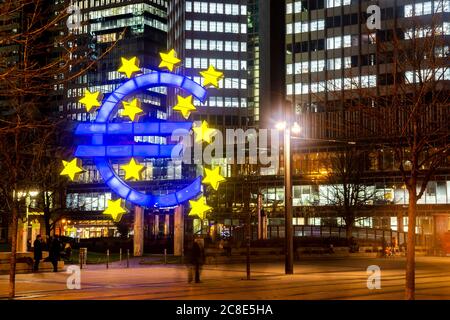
(348, 193)
(401, 105)
(413, 115)
(39, 57)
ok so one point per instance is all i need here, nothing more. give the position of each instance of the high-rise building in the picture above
(109, 31)
(336, 62)
(266, 46)
(205, 33)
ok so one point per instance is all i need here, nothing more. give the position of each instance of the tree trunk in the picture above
(12, 261)
(349, 231)
(349, 223)
(47, 221)
(411, 247)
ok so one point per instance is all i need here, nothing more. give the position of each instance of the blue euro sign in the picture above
(101, 128)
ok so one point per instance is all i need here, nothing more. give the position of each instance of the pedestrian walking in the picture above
(68, 251)
(55, 252)
(197, 260)
(37, 245)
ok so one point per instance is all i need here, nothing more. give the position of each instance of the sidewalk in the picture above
(338, 279)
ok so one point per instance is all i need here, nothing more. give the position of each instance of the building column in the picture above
(22, 236)
(166, 225)
(138, 238)
(156, 225)
(400, 225)
(178, 232)
(35, 230)
(264, 227)
(260, 219)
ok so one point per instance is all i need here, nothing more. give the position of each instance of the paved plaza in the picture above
(314, 279)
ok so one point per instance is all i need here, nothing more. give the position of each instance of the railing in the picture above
(370, 234)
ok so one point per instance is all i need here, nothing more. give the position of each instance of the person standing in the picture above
(197, 259)
(37, 245)
(55, 252)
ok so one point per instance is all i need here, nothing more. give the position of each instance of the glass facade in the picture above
(205, 33)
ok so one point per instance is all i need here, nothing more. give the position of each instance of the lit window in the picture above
(289, 8)
(228, 9)
(188, 6)
(219, 26)
(235, 10)
(212, 26)
(220, 8)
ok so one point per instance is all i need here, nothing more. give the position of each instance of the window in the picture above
(196, 44)
(204, 26)
(228, 9)
(197, 26)
(289, 8)
(213, 8)
(220, 8)
(227, 64)
(219, 26)
(235, 65)
(289, 28)
(338, 3)
(339, 42)
(188, 6)
(212, 26)
(204, 45)
(235, 10)
(204, 63)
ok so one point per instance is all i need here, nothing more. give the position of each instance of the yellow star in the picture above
(169, 60)
(184, 106)
(199, 208)
(115, 209)
(131, 109)
(91, 100)
(133, 170)
(213, 177)
(211, 76)
(203, 133)
(129, 67)
(71, 168)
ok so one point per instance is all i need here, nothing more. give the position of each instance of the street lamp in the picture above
(288, 232)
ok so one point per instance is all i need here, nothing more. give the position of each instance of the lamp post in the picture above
(288, 227)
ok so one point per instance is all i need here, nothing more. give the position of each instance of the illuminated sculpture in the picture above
(102, 131)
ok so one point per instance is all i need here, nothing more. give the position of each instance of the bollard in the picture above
(107, 259)
(128, 258)
(120, 255)
(80, 258)
(165, 256)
